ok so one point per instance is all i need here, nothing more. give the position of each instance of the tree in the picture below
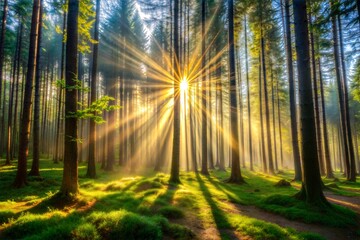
(204, 157)
(91, 170)
(174, 176)
(36, 124)
(311, 190)
(20, 179)
(70, 174)
(234, 135)
(292, 96)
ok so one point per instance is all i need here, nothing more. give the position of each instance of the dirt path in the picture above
(349, 202)
(327, 232)
(330, 233)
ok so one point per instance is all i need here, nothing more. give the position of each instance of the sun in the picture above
(184, 85)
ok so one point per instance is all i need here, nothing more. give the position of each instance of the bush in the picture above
(5, 215)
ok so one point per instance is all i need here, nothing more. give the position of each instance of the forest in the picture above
(180, 119)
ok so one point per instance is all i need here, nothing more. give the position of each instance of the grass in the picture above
(118, 205)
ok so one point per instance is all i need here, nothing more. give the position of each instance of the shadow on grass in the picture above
(219, 216)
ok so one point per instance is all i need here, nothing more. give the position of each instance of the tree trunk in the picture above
(2, 45)
(292, 95)
(262, 141)
(311, 190)
(267, 112)
(174, 177)
(329, 171)
(316, 98)
(234, 134)
(91, 170)
(59, 111)
(36, 122)
(203, 109)
(248, 96)
(70, 174)
(341, 96)
(352, 173)
(20, 179)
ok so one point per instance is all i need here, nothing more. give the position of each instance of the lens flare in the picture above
(184, 85)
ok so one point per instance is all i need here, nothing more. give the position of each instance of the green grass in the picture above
(118, 205)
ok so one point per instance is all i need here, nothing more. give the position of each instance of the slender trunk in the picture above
(248, 96)
(70, 174)
(234, 134)
(36, 123)
(352, 175)
(91, 170)
(174, 177)
(292, 96)
(267, 112)
(204, 157)
(316, 98)
(2, 45)
(329, 171)
(262, 143)
(60, 104)
(20, 179)
(340, 86)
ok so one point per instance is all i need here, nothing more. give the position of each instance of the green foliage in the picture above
(95, 110)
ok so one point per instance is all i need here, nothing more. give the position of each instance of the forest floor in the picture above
(119, 205)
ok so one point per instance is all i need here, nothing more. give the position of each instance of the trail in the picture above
(331, 233)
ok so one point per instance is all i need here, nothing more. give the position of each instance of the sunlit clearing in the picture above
(184, 85)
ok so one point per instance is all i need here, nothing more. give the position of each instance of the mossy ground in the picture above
(118, 205)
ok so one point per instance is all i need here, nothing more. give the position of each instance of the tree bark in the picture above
(234, 135)
(292, 95)
(70, 174)
(174, 177)
(36, 122)
(20, 179)
(311, 190)
(91, 170)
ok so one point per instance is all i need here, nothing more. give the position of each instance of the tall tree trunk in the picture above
(91, 170)
(267, 112)
(311, 190)
(204, 156)
(234, 135)
(70, 174)
(274, 118)
(262, 141)
(329, 171)
(60, 104)
(279, 124)
(316, 98)
(248, 95)
(341, 91)
(2, 46)
(292, 96)
(352, 173)
(9, 139)
(36, 122)
(174, 177)
(20, 179)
